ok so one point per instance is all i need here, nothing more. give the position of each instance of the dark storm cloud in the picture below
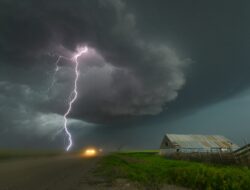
(215, 34)
(132, 76)
(135, 69)
(19, 112)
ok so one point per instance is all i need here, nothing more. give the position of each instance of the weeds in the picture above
(152, 171)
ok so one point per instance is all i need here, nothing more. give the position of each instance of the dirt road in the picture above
(57, 173)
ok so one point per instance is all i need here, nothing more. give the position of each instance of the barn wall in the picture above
(166, 143)
(243, 153)
(169, 151)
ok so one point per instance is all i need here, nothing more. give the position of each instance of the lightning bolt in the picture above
(73, 95)
(57, 68)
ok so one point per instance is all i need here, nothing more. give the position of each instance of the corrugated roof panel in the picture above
(201, 141)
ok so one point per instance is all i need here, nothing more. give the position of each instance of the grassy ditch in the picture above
(152, 171)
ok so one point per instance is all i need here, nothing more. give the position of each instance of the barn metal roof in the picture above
(243, 150)
(201, 141)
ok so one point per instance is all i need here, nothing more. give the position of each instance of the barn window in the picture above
(166, 143)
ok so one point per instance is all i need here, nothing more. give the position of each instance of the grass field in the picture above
(17, 154)
(152, 171)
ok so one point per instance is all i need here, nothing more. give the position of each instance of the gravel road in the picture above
(57, 173)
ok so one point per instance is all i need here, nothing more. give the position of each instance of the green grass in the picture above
(17, 154)
(139, 151)
(152, 171)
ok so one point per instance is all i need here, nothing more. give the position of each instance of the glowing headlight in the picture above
(90, 152)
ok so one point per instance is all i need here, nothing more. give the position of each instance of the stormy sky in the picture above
(153, 67)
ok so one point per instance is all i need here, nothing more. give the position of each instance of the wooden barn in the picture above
(173, 143)
(243, 154)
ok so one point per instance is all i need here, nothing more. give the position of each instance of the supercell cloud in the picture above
(136, 81)
(123, 75)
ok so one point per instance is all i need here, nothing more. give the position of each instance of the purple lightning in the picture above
(74, 94)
